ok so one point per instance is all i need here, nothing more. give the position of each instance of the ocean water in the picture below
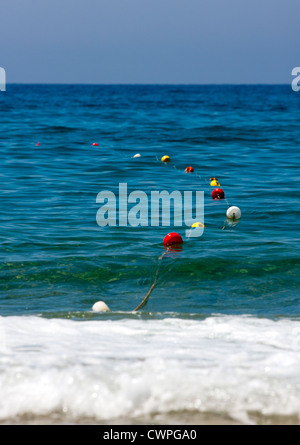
(219, 338)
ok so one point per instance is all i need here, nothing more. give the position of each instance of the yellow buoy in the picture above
(198, 224)
(165, 159)
(214, 182)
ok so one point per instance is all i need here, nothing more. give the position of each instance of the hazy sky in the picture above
(149, 41)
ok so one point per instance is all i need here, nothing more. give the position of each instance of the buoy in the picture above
(172, 238)
(100, 306)
(165, 159)
(189, 170)
(214, 182)
(218, 194)
(198, 224)
(137, 155)
(37, 145)
(95, 144)
(233, 213)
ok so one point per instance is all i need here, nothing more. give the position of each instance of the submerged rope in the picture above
(144, 301)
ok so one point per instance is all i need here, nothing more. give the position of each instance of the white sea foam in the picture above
(107, 369)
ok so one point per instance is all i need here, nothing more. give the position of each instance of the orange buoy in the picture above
(189, 170)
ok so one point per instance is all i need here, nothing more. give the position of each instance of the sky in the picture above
(149, 41)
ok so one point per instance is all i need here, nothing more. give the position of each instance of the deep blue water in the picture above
(55, 259)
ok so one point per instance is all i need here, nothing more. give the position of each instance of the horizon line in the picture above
(147, 83)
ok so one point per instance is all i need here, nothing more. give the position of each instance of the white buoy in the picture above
(100, 306)
(233, 213)
(137, 155)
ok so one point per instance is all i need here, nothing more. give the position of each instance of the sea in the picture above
(218, 338)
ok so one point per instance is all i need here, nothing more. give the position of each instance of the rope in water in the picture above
(144, 301)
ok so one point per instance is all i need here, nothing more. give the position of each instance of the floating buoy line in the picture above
(173, 240)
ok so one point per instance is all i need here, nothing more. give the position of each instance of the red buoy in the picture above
(95, 144)
(189, 169)
(172, 238)
(218, 194)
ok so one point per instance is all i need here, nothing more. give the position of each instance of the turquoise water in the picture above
(56, 261)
